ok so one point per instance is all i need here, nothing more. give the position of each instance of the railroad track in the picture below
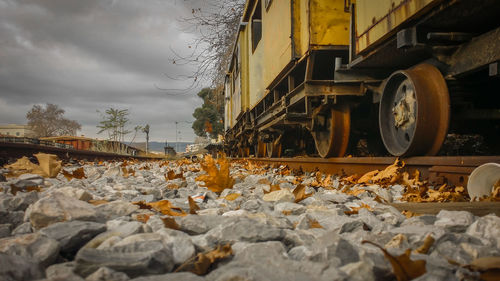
(18, 150)
(453, 170)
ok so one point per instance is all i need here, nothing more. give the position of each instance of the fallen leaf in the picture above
(428, 242)
(264, 181)
(216, 179)
(201, 263)
(193, 207)
(171, 175)
(170, 223)
(76, 174)
(232, 196)
(142, 205)
(173, 186)
(409, 214)
(14, 189)
(314, 224)
(300, 193)
(49, 166)
(143, 218)
(286, 212)
(166, 208)
(274, 187)
(355, 210)
(97, 202)
(128, 172)
(366, 178)
(403, 267)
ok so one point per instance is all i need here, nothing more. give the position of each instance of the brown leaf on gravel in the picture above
(428, 242)
(165, 207)
(97, 202)
(355, 210)
(142, 205)
(14, 189)
(216, 179)
(171, 175)
(170, 223)
(403, 267)
(143, 218)
(409, 214)
(173, 186)
(264, 181)
(314, 224)
(274, 187)
(368, 176)
(300, 193)
(48, 166)
(201, 263)
(232, 196)
(193, 207)
(76, 174)
(128, 172)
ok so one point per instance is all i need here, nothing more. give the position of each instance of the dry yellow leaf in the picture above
(232, 196)
(49, 166)
(300, 193)
(274, 187)
(193, 207)
(166, 208)
(216, 179)
(355, 210)
(170, 223)
(403, 267)
(428, 242)
(76, 174)
(171, 175)
(314, 224)
(97, 202)
(201, 263)
(143, 217)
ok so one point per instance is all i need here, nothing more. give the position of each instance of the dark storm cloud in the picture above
(88, 55)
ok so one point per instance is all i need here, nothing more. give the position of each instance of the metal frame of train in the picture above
(318, 76)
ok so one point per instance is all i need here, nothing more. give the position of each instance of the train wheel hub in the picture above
(405, 109)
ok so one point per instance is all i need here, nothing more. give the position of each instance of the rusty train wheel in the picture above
(414, 111)
(260, 149)
(330, 130)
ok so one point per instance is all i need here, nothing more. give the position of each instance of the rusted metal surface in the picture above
(453, 170)
(476, 208)
(414, 111)
(17, 150)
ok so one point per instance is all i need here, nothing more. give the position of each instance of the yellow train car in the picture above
(318, 76)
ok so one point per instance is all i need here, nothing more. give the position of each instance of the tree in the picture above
(114, 123)
(208, 116)
(48, 121)
(217, 26)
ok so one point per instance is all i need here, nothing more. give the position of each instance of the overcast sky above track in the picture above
(89, 55)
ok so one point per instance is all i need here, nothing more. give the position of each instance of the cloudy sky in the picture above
(89, 55)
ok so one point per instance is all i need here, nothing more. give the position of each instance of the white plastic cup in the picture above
(482, 180)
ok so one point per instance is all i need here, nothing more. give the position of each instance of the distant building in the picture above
(16, 130)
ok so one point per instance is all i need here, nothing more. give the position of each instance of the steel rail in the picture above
(18, 150)
(453, 170)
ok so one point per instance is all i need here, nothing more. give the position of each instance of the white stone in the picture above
(59, 207)
(282, 195)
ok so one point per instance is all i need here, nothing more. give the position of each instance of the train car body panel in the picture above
(329, 24)
(377, 20)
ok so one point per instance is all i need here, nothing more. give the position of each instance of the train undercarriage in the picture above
(404, 97)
